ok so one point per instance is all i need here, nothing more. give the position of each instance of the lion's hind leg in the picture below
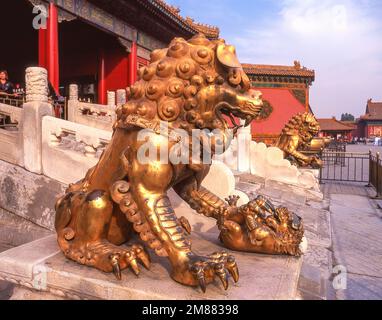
(82, 224)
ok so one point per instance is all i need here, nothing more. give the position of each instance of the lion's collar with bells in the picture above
(134, 121)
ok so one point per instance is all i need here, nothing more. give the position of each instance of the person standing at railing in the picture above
(18, 90)
(57, 101)
(6, 87)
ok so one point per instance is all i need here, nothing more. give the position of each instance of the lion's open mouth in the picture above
(232, 112)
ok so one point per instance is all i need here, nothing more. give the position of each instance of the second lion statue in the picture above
(191, 85)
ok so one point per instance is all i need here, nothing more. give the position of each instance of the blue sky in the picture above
(340, 39)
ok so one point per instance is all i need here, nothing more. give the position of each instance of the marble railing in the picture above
(59, 149)
(11, 142)
(15, 114)
(71, 145)
(92, 115)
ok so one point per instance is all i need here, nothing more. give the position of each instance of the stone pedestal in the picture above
(40, 271)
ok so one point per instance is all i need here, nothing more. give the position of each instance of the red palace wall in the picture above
(87, 63)
(373, 131)
(285, 106)
(116, 70)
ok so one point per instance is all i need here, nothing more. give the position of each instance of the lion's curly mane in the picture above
(167, 88)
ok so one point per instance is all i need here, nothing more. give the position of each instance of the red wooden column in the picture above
(101, 78)
(42, 48)
(52, 53)
(132, 64)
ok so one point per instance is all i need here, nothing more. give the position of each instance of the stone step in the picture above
(15, 231)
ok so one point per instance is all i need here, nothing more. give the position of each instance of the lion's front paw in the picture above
(316, 162)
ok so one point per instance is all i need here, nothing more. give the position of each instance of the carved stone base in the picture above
(40, 271)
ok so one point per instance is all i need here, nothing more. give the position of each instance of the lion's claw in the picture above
(110, 258)
(198, 272)
(232, 200)
(218, 264)
(232, 268)
(114, 260)
(222, 274)
(143, 256)
(185, 224)
(136, 254)
(131, 260)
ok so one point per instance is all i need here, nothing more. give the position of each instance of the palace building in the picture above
(336, 129)
(97, 44)
(285, 91)
(370, 124)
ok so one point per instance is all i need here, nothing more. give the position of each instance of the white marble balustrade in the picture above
(69, 149)
(93, 115)
(11, 141)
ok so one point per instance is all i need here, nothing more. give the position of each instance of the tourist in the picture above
(6, 87)
(57, 101)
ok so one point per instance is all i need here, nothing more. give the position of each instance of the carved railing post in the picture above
(35, 108)
(36, 80)
(72, 102)
(121, 97)
(73, 92)
(111, 98)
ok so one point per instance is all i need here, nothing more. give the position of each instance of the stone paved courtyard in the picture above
(356, 233)
(356, 222)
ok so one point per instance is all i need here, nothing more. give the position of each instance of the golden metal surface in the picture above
(189, 87)
(299, 135)
(318, 144)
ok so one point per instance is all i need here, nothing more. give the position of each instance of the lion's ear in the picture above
(227, 56)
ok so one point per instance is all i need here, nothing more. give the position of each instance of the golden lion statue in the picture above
(297, 136)
(191, 85)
